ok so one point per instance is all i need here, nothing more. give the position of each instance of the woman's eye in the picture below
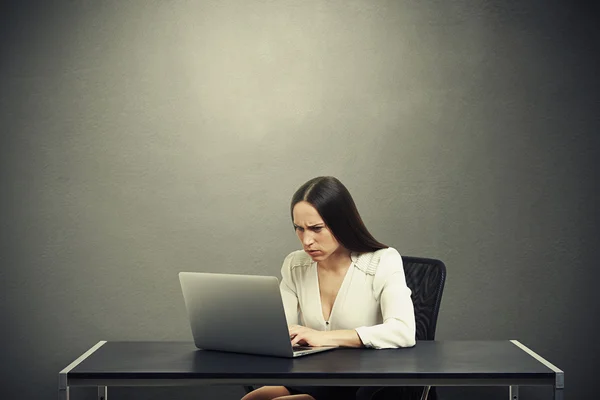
(317, 229)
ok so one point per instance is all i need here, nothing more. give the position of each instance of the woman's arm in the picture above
(311, 337)
(288, 292)
(343, 338)
(389, 284)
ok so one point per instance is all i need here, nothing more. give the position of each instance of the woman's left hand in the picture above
(306, 336)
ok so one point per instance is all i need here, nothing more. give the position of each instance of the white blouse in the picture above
(373, 299)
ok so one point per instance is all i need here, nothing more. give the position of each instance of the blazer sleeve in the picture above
(389, 286)
(288, 292)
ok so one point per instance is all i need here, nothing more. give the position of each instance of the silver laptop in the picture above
(239, 313)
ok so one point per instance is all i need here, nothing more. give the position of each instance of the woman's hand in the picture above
(307, 337)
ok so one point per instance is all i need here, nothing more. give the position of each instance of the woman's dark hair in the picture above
(335, 205)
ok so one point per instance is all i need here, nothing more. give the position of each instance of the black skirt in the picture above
(326, 392)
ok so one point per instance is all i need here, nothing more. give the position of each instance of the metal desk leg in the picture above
(558, 393)
(102, 393)
(559, 375)
(63, 376)
(513, 393)
(63, 393)
(559, 385)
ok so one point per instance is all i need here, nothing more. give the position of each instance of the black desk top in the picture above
(427, 360)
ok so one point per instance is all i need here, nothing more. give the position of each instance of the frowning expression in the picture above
(316, 238)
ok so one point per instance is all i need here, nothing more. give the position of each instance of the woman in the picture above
(343, 289)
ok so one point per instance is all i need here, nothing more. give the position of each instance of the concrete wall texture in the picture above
(144, 138)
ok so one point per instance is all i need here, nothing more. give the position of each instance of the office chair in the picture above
(425, 277)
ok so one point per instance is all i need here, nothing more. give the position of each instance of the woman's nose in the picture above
(307, 239)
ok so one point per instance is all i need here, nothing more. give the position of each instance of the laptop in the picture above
(239, 313)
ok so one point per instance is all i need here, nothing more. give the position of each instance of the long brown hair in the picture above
(337, 208)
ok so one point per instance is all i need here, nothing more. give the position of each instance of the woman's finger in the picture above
(295, 340)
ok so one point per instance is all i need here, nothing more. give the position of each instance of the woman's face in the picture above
(316, 238)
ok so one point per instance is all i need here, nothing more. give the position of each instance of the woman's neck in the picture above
(339, 260)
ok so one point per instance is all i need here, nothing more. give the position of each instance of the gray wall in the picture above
(140, 139)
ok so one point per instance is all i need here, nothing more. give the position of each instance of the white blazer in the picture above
(373, 299)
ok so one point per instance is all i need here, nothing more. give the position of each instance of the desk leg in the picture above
(558, 394)
(63, 393)
(513, 393)
(102, 393)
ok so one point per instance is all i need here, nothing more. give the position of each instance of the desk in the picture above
(429, 363)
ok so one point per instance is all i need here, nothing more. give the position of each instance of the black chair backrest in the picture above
(426, 278)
